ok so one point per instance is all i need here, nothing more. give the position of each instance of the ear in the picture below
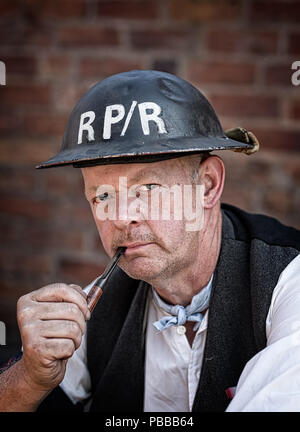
(212, 176)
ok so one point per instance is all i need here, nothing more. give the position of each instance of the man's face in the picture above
(155, 248)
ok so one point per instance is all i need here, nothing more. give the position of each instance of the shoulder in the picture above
(251, 226)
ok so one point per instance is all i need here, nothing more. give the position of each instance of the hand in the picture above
(52, 321)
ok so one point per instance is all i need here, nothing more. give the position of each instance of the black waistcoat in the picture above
(255, 249)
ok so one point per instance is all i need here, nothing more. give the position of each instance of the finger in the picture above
(57, 349)
(61, 329)
(61, 311)
(61, 293)
(79, 289)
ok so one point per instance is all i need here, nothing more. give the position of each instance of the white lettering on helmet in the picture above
(109, 119)
(119, 110)
(128, 118)
(153, 116)
(86, 126)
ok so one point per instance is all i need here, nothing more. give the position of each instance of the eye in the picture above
(142, 189)
(99, 198)
(149, 186)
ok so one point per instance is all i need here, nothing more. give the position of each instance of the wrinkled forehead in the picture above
(167, 171)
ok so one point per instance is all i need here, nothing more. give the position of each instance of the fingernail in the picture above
(88, 315)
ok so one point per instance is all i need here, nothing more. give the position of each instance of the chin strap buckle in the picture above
(242, 135)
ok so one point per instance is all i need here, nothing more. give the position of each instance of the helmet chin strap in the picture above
(242, 135)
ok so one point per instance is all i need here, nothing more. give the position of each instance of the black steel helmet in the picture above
(141, 116)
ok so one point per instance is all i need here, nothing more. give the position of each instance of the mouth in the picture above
(134, 247)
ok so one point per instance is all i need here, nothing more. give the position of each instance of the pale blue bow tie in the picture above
(180, 314)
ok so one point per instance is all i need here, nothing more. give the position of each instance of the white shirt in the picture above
(270, 381)
(172, 366)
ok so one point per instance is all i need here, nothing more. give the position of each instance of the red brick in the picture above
(10, 125)
(258, 171)
(165, 65)
(294, 43)
(275, 10)
(77, 36)
(221, 72)
(24, 94)
(19, 65)
(278, 201)
(133, 9)
(58, 184)
(95, 67)
(55, 66)
(64, 183)
(66, 95)
(22, 261)
(62, 8)
(26, 151)
(45, 125)
(278, 139)
(294, 110)
(79, 272)
(205, 10)
(17, 179)
(26, 34)
(7, 7)
(55, 239)
(156, 39)
(291, 166)
(242, 41)
(238, 196)
(279, 74)
(245, 105)
(80, 213)
(25, 207)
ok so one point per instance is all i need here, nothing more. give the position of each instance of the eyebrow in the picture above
(142, 173)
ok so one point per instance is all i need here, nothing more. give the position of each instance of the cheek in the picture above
(106, 233)
(171, 233)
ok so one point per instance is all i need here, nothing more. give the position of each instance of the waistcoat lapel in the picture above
(229, 343)
(121, 381)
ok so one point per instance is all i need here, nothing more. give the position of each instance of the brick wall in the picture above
(239, 52)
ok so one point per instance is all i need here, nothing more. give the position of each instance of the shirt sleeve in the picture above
(270, 381)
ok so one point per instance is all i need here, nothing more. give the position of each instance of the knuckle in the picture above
(69, 348)
(75, 329)
(61, 288)
(73, 309)
(24, 314)
(21, 303)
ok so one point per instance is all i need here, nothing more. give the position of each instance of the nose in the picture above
(128, 213)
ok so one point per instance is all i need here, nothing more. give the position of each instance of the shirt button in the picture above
(181, 330)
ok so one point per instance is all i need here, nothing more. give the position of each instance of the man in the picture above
(206, 296)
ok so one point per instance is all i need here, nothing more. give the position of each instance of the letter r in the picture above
(86, 126)
(153, 116)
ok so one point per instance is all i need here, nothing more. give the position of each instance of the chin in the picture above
(142, 271)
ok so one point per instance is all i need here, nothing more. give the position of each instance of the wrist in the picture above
(29, 382)
(18, 393)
